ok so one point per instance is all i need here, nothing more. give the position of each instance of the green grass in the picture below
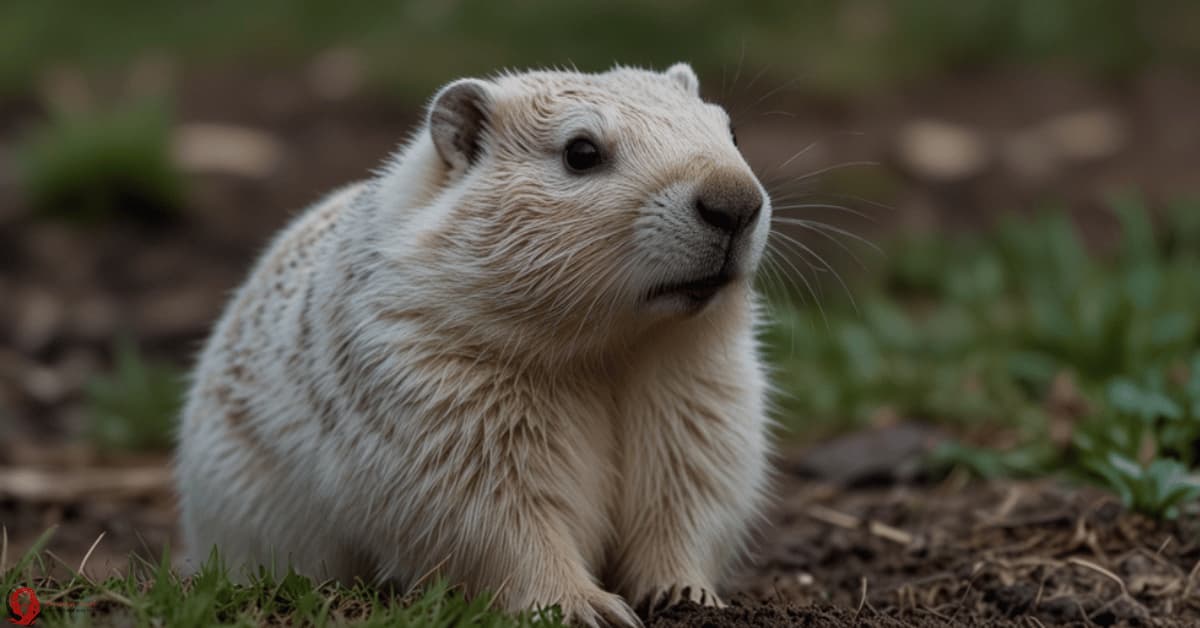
(96, 167)
(134, 407)
(152, 594)
(973, 332)
(830, 46)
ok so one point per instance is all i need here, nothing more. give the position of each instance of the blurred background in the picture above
(988, 227)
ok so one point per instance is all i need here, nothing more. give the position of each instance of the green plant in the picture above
(152, 594)
(134, 407)
(983, 333)
(1144, 443)
(103, 166)
(1158, 489)
(1030, 459)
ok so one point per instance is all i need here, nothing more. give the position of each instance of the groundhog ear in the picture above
(457, 119)
(683, 74)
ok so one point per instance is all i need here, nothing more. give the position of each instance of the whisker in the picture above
(851, 197)
(824, 138)
(758, 76)
(767, 276)
(804, 279)
(781, 278)
(770, 263)
(798, 154)
(826, 264)
(831, 238)
(759, 101)
(840, 244)
(787, 85)
(817, 173)
(741, 58)
(822, 227)
(724, 92)
(737, 114)
(840, 208)
(804, 257)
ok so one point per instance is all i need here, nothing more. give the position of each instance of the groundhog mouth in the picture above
(696, 290)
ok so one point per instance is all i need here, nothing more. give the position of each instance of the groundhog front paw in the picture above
(600, 610)
(667, 597)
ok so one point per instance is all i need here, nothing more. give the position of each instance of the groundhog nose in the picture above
(728, 202)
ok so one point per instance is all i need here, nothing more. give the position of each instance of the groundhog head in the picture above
(612, 198)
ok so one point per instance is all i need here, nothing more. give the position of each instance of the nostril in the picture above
(719, 218)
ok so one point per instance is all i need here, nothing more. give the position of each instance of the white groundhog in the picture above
(521, 357)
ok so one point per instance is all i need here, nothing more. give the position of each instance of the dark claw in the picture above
(662, 602)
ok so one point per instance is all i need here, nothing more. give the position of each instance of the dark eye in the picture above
(733, 134)
(581, 155)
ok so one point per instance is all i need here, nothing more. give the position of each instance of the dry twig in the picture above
(1075, 560)
(59, 486)
(833, 517)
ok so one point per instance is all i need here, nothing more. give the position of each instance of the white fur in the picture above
(456, 371)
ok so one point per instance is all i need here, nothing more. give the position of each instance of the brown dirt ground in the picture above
(896, 553)
(973, 554)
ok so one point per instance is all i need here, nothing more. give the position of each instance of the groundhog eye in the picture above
(581, 155)
(733, 134)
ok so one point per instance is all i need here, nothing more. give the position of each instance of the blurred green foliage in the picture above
(135, 406)
(95, 167)
(974, 332)
(996, 316)
(828, 45)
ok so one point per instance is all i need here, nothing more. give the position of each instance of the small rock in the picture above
(887, 454)
(940, 151)
(56, 383)
(213, 148)
(336, 74)
(1085, 135)
(44, 385)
